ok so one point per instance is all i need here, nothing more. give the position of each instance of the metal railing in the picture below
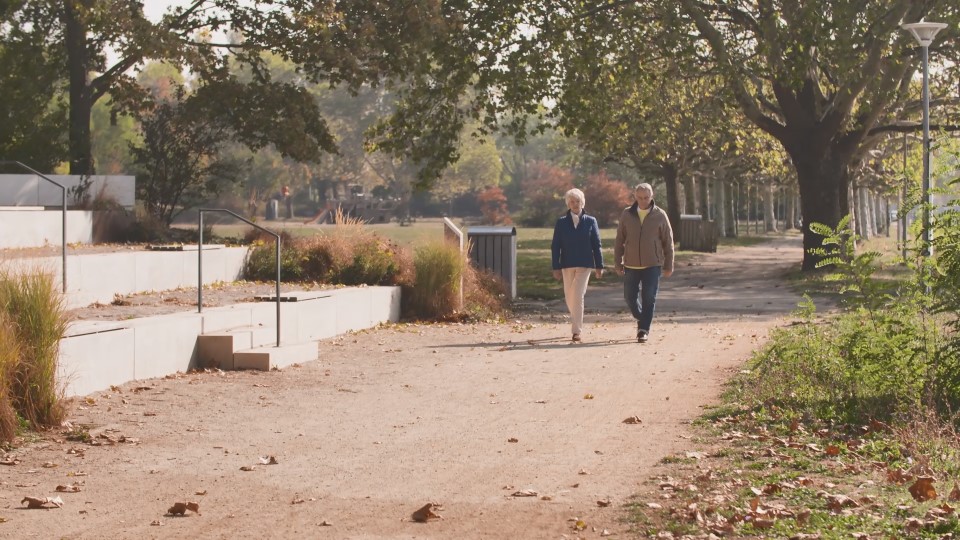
(200, 260)
(63, 210)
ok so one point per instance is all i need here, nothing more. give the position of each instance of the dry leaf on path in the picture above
(268, 460)
(588, 396)
(603, 503)
(326, 523)
(513, 439)
(180, 508)
(69, 488)
(9, 461)
(923, 490)
(632, 420)
(42, 502)
(426, 512)
(524, 493)
(248, 468)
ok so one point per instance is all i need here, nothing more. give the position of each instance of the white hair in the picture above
(575, 194)
(645, 187)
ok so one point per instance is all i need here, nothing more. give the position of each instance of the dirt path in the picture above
(391, 419)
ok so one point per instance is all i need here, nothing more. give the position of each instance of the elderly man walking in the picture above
(642, 253)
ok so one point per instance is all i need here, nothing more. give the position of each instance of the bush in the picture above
(34, 308)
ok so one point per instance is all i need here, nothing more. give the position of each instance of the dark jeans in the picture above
(640, 291)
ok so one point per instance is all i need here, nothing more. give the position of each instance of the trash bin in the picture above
(495, 249)
(273, 209)
(698, 234)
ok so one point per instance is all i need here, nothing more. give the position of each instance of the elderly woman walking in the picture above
(575, 255)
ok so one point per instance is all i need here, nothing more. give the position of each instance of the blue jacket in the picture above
(576, 247)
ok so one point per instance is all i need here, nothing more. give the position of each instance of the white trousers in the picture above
(575, 282)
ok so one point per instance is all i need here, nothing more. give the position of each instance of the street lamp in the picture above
(924, 32)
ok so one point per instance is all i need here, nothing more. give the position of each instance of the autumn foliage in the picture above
(493, 206)
(543, 193)
(606, 198)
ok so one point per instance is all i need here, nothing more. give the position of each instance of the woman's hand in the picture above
(557, 274)
(599, 273)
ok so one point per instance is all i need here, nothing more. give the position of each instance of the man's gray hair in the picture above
(644, 186)
(575, 194)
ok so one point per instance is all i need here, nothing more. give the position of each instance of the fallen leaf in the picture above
(248, 468)
(69, 488)
(833, 450)
(923, 490)
(632, 420)
(297, 500)
(156, 523)
(426, 512)
(50, 465)
(580, 525)
(326, 523)
(955, 493)
(588, 396)
(41, 502)
(9, 461)
(513, 439)
(655, 506)
(201, 492)
(180, 508)
(524, 493)
(603, 503)
(268, 460)
(605, 532)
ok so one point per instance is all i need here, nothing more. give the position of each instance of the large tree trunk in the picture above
(703, 191)
(769, 208)
(689, 195)
(823, 185)
(790, 210)
(81, 97)
(669, 174)
(721, 205)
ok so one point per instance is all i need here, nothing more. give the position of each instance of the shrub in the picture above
(35, 308)
(261, 263)
(484, 294)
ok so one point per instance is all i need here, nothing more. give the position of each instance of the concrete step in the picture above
(216, 349)
(266, 358)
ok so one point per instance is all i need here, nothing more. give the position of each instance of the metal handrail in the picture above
(63, 210)
(200, 260)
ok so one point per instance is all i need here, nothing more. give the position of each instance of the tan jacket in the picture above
(642, 246)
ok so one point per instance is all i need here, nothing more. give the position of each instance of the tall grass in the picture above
(35, 310)
(9, 355)
(436, 290)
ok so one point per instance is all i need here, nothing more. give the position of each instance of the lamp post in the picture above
(924, 33)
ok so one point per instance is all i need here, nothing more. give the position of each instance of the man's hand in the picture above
(667, 273)
(557, 274)
(619, 270)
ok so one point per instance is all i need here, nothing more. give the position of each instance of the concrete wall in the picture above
(31, 190)
(98, 277)
(97, 354)
(32, 226)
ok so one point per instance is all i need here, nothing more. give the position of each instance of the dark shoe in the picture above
(642, 336)
(576, 338)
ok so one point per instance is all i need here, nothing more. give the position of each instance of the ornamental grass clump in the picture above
(9, 354)
(34, 309)
(436, 289)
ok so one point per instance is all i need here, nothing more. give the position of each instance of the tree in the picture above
(493, 206)
(178, 158)
(822, 78)
(34, 106)
(606, 197)
(543, 192)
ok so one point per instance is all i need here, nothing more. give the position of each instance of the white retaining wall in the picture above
(98, 277)
(32, 226)
(97, 354)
